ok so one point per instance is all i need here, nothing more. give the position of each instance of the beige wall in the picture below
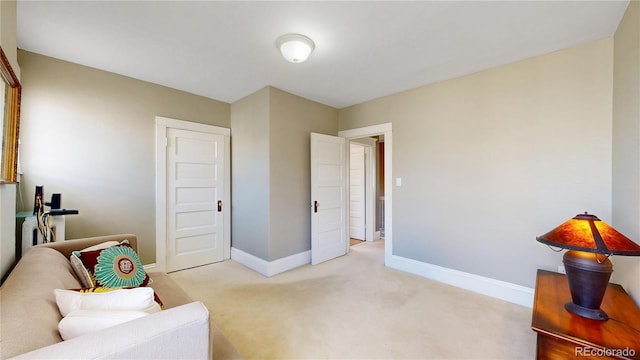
(90, 135)
(8, 41)
(271, 171)
(626, 144)
(250, 174)
(491, 160)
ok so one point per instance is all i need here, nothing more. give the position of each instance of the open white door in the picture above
(357, 192)
(329, 236)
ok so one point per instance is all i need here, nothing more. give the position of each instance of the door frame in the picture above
(162, 124)
(386, 130)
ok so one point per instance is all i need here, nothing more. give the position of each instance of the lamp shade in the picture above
(295, 48)
(585, 232)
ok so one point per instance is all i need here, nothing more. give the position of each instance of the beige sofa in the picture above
(30, 316)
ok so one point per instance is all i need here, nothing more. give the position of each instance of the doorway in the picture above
(384, 130)
(364, 189)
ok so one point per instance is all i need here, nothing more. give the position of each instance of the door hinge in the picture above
(166, 142)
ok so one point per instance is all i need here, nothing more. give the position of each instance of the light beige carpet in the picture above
(355, 307)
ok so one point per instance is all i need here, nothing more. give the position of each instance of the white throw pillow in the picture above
(139, 299)
(81, 322)
(78, 266)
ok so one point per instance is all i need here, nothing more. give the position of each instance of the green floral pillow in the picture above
(116, 266)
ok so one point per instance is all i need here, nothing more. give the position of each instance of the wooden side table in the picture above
(563, 335)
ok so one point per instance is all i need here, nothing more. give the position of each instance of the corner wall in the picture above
(90, 135)
(490, 160)
(250, 174)
(271, 188)
(626, 144)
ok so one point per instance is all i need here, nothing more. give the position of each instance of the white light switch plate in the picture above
(398, 181)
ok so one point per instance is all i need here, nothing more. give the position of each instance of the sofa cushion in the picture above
(81, 322)
(141, 299)
(156, 298)
(78, 266)
(29, 312)
(115, 266)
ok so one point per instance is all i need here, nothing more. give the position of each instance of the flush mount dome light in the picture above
(295, 48)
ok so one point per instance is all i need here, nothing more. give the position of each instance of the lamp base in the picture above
(588, 279)
(594, 314)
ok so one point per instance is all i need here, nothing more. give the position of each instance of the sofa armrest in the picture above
(66, 247)
(177, 333)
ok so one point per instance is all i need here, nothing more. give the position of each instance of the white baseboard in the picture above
(487, 286)
(270, 268)
(503, 290)
(149, 266)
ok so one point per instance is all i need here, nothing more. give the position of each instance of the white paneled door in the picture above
(329, 236)
(195, 198)
(357, 193)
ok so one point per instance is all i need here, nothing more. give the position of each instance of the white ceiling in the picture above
(364, 49)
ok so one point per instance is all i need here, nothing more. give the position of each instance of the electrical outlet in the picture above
(561, 269)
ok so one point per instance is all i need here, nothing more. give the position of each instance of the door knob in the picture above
(219, 205)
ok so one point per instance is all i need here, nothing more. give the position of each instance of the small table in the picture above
(563, 335)
(27, 234)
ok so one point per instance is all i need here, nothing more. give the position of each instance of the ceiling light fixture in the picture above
(295, 48)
